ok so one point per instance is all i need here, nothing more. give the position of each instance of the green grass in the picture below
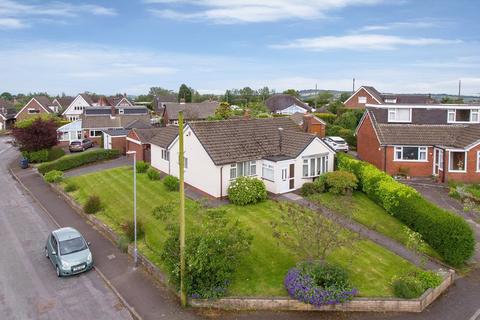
(363, 210)
(473, 189)
(262, 270)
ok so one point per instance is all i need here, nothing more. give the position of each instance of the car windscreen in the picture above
(72, 245)
(75, 143)
(338, 140)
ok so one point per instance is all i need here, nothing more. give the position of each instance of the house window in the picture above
(165, 155)
(268, 172)
(457, 161)
(463, 115)
(121, 111)
(185, 162)
(33, 111)
(474, 115)
(390, 100)
(451, 115)
(362, 100)
(96, 133)
(240, 169)
(411, 153)
(314, 166)
(399, 115)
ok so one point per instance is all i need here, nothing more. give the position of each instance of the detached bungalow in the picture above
(286, 104)
(140, 139)
(275, 150)
(192, 111)
(422, 140)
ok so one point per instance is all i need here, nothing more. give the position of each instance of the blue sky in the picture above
(114, 46)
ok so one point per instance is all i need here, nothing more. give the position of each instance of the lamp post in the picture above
(134, 205)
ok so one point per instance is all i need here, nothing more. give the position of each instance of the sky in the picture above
(128, 46)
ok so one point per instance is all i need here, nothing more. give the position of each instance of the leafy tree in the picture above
(344, 96)
(323, 98)
(292, 92)
(264, 93)
(335, 106)
(450, 100)
(159, 91)
(184, 93)
(223, 111)
(309, 233)
(347, 120)
(247, 94)
(37, 134)
(7, 96)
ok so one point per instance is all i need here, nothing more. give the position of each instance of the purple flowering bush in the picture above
(319, 284)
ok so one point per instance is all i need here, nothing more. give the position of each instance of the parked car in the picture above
(80, 145)
(68, 251)
(337, 143)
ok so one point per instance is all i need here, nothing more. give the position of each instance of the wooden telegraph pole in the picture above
(181, 162)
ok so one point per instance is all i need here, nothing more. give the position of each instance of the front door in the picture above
(437, 161)
(291, 177)
(287, 182)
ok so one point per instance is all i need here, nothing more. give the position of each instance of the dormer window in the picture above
(362, 100)
(399, 115)
(463, 115)
(121, 111)
(391, 100)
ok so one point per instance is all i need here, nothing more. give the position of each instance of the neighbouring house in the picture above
(117, 138)
(7, 114)
(62, 103)
(38, 105)
(369, 95)
(69, 132)
(97, 120)
(286, 104)
(422, 140)
(310, 123)
(159, 101)
(85, 101)
(191, 111)
(140, 140)
(275, 150)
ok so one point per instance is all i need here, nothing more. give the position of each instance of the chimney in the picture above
(182, 101)
(280, 139)
(112, 111)
(307, 122)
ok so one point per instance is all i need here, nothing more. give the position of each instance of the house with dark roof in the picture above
(37, 105)
(194, 111)
(422, 140)
(7, 114)
(369, 95)
(140, 140)
(286, 104)
(275, 150)
(85, 101)
(62, 103)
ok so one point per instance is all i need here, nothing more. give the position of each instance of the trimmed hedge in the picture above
(449, 234)
(76, 160)
(36, 156)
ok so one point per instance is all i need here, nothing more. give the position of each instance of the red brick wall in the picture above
(33, 104)
(368, 147)
(119, 143)
(353, 102)
(131, 146)
(471, 176)
(415, 169)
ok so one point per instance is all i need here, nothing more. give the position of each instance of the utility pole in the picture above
(353, 85)
(459, 88)
(181, 162)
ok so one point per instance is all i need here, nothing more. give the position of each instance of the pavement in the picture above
(29, 287)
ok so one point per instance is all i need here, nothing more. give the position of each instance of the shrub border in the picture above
(271, 303)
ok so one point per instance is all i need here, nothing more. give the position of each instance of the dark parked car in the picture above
(80, 145)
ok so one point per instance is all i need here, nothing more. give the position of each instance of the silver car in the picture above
(68, 251)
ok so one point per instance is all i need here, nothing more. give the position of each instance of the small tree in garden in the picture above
(223, 111)
(37, 134)
(309, 233)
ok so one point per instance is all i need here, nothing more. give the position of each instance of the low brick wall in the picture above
(274, 303)
(356, 305)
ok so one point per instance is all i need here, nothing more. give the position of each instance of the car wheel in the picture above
(46, 253)
(57, 269)
(83, 149)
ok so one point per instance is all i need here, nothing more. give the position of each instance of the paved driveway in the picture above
(29, 288)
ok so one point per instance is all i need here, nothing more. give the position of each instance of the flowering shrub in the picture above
(319, 284)
(245, 190)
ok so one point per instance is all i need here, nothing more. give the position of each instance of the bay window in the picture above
(240, 169)
(404, 153)
(399, 115)
(314, 166)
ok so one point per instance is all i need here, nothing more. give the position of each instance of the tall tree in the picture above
(184, 93)
(7, 96)
(159, 91)
(344, 96)
(35, 134)
(292, 92)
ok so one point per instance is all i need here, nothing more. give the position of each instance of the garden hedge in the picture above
(76, 160)
(449, 234)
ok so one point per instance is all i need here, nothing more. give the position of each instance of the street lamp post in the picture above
(134, 205)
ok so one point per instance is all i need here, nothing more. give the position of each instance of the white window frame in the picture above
(165, 154)
(249, 167)
(121, 111)
(399, 150)
(93, 136)
(315, 166)
(452, 116)
(450, 161)
(36, 111)
(392, 115)
(362, 99)
(268, 171)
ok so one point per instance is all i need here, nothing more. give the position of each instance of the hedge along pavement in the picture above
(447, 233)
(77, 160)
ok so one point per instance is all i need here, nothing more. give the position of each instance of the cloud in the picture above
(249, 11)
(14, 14)
(400, 25)
(361, 42)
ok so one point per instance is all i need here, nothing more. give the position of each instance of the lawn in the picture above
(363, 210)
(262, 270)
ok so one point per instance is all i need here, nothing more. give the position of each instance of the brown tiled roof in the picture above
(44, 101)
(161, 137)
(87, 98)
(138, 124)
(65, 101)
(298, 118)
(282, 101)
(106, 121)
(230, 141)
(448, 135)
(191, 111)
(114, 100)
(374, 92)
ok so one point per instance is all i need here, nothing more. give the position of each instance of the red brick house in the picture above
(422, 140)
(369, 95)
(36, 106)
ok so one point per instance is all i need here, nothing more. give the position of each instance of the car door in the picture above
(53, 247)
